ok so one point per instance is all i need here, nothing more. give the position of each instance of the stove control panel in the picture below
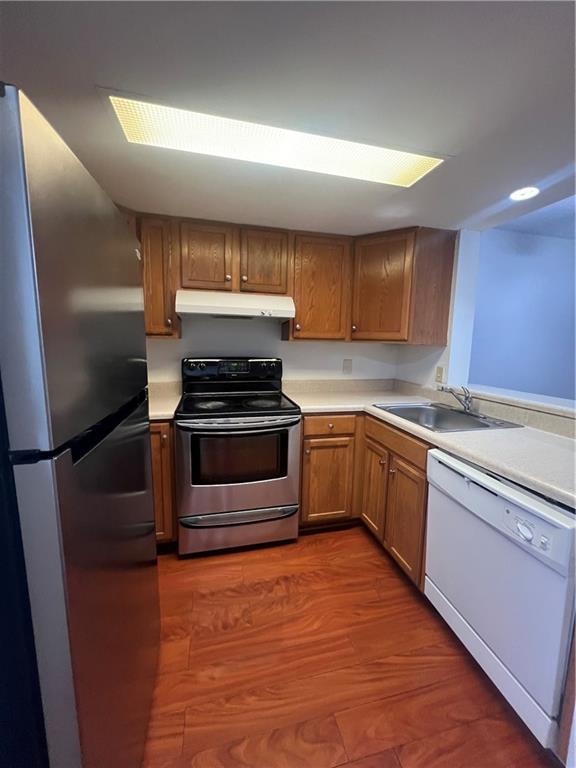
(231, 368)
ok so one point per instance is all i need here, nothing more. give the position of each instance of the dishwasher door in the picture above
(499, 570)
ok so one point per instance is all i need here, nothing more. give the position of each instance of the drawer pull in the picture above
(330, 426)
(382, 462)
(228, 278)
(244, 278)
(392, 471)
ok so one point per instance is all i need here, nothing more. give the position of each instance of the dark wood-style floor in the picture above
(314, 655)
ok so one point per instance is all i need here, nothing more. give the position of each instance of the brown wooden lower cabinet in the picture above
(162, 477)
(394, 501)
(359, 466)
(327, 488)
(405, 519)
(327, 479)
(374, 486)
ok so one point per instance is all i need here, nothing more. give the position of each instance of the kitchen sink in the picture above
(443, 418)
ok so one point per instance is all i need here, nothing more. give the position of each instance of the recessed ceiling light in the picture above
(160, 126)
(525, 193)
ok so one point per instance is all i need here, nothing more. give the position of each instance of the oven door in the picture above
(226, 465)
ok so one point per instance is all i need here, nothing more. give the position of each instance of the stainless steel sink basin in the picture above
(442, 418)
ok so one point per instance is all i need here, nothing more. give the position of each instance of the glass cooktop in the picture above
(238, 404)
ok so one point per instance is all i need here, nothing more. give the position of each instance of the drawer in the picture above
(410, 448)
(329, 425)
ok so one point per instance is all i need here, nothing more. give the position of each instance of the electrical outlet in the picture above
(439, 374)
(347, 365)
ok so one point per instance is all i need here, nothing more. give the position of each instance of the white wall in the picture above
(204, 336)
(524, 336)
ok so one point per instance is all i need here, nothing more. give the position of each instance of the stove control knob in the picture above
(272, 365)
(192, 366)
(202, 366)
(263, 366)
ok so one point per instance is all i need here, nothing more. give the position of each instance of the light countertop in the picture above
(541, 461)
(163, 397)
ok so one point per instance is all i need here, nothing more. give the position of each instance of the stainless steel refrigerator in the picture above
(76, 492)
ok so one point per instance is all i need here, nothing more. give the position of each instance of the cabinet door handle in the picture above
(164, 437)
(392, 471)
(298, 326)
(228, 278)
(307, 451)
(169, 322)
(244, 278)
(382, 462)
(354, 328)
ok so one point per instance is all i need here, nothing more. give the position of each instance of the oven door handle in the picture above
(240, 429)
(243, 517)
(251, 432)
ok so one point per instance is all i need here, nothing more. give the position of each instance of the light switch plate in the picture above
(439, 374)
(347, 365)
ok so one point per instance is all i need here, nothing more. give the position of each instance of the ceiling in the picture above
(556, 220)
(489, 86)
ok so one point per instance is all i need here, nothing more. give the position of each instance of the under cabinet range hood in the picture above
(226, 304)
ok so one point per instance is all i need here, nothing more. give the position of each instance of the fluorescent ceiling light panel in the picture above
(159, 126)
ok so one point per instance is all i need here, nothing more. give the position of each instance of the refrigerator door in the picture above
(72, 348)
(88, 533)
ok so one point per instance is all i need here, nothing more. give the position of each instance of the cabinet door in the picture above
(382, 283)
(375, 481)
(162, 476)
(327, 479)
(322, 270)
(208, 251)
(405, 516)
(159, 308)
(263, 261)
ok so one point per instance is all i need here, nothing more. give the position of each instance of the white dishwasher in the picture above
(500, 571)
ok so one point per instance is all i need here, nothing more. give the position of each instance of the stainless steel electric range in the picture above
(237, 455)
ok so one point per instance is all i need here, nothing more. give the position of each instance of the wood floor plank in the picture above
(165, 739)
(279, 639)
(382, 725)
(487, 743)
(400, 630)
(174, 656)
(280, 704)
(386, 759)
(312, 744)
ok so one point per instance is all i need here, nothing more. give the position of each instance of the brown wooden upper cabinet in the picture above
(402, 286)
(263, 261)
(322, 271)
(207, 250)
(158, 277)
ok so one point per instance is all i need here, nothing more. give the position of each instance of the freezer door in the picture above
(88, 530)
(72, 348)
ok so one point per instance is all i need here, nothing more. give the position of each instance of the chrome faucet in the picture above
(464, 399)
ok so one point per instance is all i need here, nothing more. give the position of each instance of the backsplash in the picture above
(208, 336)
